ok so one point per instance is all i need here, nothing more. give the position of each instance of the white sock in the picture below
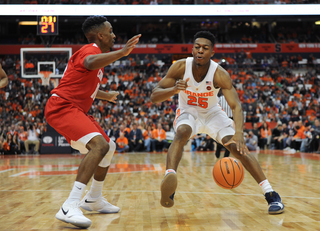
(96, 188)
(265, 186)
(76, 192)
(169, 170)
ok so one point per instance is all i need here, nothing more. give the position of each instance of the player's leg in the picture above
(93, 200)
(70, 211)
(74, 125)
(253, 167)
(98, 147)
(176, 148)
(222, 130)
(248, 161)
(185, 126)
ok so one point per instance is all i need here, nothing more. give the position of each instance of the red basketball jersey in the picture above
(78, 84)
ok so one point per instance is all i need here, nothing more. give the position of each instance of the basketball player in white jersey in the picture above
(198, 80)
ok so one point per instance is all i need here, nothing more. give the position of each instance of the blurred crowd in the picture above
(280, 99)
(166, 31)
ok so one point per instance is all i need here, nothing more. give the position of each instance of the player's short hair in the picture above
(205, 34)
(92, 22)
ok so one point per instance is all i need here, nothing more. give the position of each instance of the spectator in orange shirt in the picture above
(231, 61)
(122, 143)
(265, 135)
(299, 128)
(168, 110)
(159, 142)
(29, 66)
(248, 53)
(122, 129)
(147, 136)
(10, 145)
(22, 137)
(296, 140)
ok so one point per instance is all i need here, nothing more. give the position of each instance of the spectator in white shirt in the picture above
(33, 138)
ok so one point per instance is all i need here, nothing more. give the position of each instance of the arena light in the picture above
(28, 23)
(317, 23)
(160, 10)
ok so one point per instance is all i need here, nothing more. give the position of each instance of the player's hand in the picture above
(112, 96)
(131, 43)
(239, 141)
(181, 85)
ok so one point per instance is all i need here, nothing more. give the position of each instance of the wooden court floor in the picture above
(32, 189)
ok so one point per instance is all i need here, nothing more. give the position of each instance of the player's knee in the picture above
(183, 132)
(99, 145)
(106, 161)
(102, 149)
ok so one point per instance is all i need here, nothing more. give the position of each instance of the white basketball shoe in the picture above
(71, 213)
(99, 204)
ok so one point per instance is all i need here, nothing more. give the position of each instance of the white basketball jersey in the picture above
(199, 97)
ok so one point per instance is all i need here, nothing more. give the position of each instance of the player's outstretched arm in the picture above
(93, 62)
(110, 96)
(223, 80)
(3, 78)
(171, 84)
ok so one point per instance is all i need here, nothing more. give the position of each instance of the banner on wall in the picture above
(54, 143)
(187, 48)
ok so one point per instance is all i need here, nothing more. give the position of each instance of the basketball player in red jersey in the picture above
(66, 111)
(3, 78)
(198, 80)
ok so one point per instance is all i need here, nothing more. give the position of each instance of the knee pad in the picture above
(106, 161)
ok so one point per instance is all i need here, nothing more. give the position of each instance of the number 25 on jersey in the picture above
(200, 101)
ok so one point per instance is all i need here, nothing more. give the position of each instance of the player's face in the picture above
(107, 37)
(202, 51)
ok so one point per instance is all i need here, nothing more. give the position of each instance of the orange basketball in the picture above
(228, 173)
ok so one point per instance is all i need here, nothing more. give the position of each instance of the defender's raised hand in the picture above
(131, 43)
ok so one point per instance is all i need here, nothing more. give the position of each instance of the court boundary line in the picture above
(7, 170)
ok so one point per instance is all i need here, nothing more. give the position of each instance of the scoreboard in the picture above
(47, 25)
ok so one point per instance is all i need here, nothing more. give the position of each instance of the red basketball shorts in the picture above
(70, 121)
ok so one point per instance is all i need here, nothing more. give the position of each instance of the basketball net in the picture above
(45, 77)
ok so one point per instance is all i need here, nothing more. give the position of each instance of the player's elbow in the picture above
(153, 98)
(5, 81)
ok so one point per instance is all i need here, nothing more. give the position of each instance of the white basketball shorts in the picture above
(215, 122)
